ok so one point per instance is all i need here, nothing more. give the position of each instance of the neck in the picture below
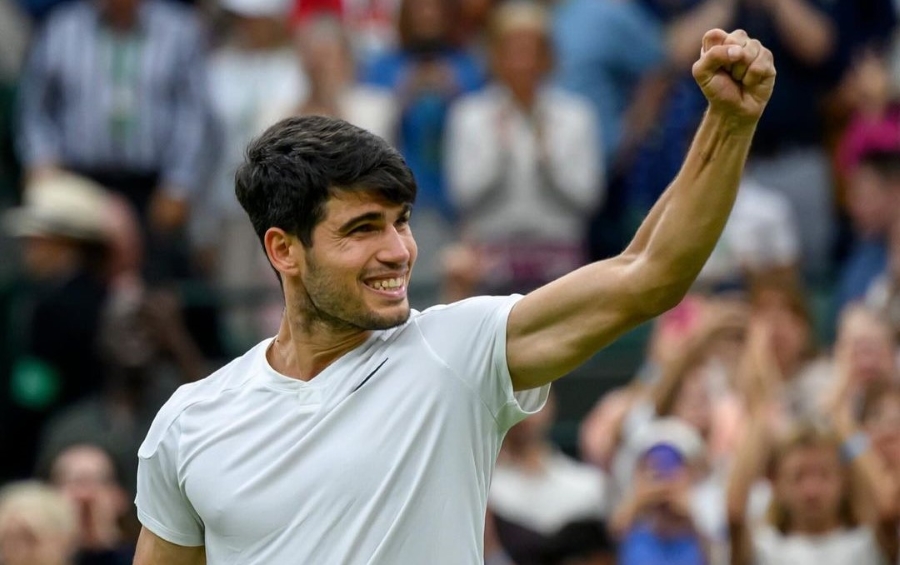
(303, 349)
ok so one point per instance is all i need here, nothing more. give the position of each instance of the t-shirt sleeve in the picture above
(162, 505)
(470, 337)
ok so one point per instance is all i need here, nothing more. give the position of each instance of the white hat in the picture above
(258, 8)
(61, 204)
(672, 432)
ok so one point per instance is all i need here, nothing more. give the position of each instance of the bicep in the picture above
(561, 325)
(153, 550)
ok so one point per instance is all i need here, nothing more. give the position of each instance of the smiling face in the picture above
(356, 273)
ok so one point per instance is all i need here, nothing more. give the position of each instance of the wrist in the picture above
(730, 123)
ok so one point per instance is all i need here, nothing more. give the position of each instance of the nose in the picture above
(397, 249)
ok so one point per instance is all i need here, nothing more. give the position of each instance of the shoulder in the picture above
(470, 308)
(232, 376)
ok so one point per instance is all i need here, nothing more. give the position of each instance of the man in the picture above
(364, 433)
(128, 107)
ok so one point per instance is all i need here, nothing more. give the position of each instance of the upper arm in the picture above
(153, 550)
(562, 324)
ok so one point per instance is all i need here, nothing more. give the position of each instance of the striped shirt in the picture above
(95, 99)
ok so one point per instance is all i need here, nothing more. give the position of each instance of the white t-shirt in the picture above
(843, 547)
(383, 458)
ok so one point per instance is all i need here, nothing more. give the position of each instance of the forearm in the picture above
(746, 468)
(806, 32)
(677, 237)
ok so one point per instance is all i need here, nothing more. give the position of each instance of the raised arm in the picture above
(758, 375)
(559, 326)
(153, 550)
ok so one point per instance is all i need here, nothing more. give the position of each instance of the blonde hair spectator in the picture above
(37, 525)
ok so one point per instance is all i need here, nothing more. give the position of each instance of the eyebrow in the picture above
(370, 217)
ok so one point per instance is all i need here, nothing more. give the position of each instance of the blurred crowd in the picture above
(763, 425)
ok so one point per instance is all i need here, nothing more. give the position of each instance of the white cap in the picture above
(258, 8)
(61, 204)
(672, 432)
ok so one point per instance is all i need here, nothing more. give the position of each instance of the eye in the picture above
(403, 221)
(363, 228)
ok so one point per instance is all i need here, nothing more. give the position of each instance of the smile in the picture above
(394, 287)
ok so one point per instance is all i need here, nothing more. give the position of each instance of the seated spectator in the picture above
(654, 521)
(128, 108)
(146, 353)
(426, 72)
(603, 429)
(521, 159)
(865, 354)
(253, 71)
(371, 24)
(38, 525)
(65, 249)
(780, 304)
(831, 501)
(873, 199)
(86, 475)
(324, 48)
(536, 491)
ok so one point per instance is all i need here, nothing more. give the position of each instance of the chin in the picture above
(387, 319)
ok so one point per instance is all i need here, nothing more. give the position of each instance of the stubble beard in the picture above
(325, 305)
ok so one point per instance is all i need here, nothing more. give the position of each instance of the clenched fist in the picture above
(736, 74)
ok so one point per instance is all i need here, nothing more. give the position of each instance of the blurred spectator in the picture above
(38, 526)
(865, 352)
(521, 159)
(791, 351)
(324, 48)
(536, 491)
(128, 107)
(831, 500)
(14, 35)
(883, 293)
(873, 202)
(147, 353)
(604, 48)
(427, 72)
(65, 250)
(603, 429)
(254, 71)
(654, 521)
(759, 238)
(370, 23)
(86, 475)
(880, 419)
(665, 111)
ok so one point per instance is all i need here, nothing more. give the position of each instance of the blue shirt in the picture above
(421, 131)
(642, 546)
(603, 48)
(866, 261)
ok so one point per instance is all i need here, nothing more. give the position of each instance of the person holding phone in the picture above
(654, 520)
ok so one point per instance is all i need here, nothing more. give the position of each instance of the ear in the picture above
(283, 251)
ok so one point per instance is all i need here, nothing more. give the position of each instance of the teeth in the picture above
(388, 284)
